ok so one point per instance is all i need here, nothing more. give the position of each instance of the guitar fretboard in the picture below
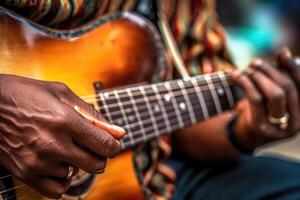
(148, 111)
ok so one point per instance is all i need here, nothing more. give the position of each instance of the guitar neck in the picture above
(149, 111)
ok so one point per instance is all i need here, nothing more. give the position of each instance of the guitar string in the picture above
(126, 143)
(160, 116)
(20, 194)
(149, 128)
(151, 100)
(124, 93)
(21, 186)
(140, 98)
(131, 113)
(168, 108)
(185, 115)
(212, 76)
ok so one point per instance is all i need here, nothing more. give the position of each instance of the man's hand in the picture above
(270, 93)
(44, 128)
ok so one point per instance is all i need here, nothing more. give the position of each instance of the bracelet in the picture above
(231, 133)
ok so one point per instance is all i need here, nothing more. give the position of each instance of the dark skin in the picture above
(269, 91)
(34, 114)
(42, 133)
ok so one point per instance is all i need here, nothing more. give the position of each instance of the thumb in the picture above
(94, 117)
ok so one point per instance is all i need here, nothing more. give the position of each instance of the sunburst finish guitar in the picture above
(116, 50)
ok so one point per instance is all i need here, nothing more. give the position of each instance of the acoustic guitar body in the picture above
(115, 50)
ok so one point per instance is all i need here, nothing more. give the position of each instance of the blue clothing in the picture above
(247, 178)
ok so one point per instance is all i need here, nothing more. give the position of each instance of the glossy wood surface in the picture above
(117, 53)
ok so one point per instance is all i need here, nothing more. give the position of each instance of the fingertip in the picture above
(120, 130)
(235, 73)
(286, 52)
(256, 62)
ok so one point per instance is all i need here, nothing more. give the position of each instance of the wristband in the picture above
(231, 133)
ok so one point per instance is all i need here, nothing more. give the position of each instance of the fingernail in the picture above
(119, 129)
(286, 51)
(235, 73)
(257, 62)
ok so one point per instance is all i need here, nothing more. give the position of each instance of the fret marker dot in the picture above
(182, 106)
(220, 91)
(106, 95)
(207, 78)
(156, 108)
(167, 97)
(131, 118)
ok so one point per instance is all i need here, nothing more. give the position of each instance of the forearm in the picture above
(207, 140)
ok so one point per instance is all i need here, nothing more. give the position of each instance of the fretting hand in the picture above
(271, 110)
(43, 136)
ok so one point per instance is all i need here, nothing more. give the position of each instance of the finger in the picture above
(92, 138)
(58, 169)
(253, 95)
(88, 112)
(85, 161)
(289, 87)
(290, 65)
(52, 187)
(116, 131)
(274, 94)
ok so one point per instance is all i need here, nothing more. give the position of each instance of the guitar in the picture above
(117, 50)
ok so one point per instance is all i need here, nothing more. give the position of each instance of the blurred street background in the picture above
(259, 28)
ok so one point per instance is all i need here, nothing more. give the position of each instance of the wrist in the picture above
(238, 137)
(245, 136)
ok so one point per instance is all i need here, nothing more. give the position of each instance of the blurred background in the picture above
(258, 28)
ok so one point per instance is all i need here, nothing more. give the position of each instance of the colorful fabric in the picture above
(199, 37)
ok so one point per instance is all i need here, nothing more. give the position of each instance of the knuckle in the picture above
(256, 99)
(61, 87)
(288, 86)
(61, 117)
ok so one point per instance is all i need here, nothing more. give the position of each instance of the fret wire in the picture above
(152, 135)
(199, 79)
(174, 124)
(187, 100)
(214, 94)
(175, 104)
(172, 118)
(122, 111)
(105, 107)
(162, 106)
(188, 89)
(227, 88)
(211, 75)
(198, 93)
(162, 131)
(136, 111)
(169, 111)
(150, 110)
